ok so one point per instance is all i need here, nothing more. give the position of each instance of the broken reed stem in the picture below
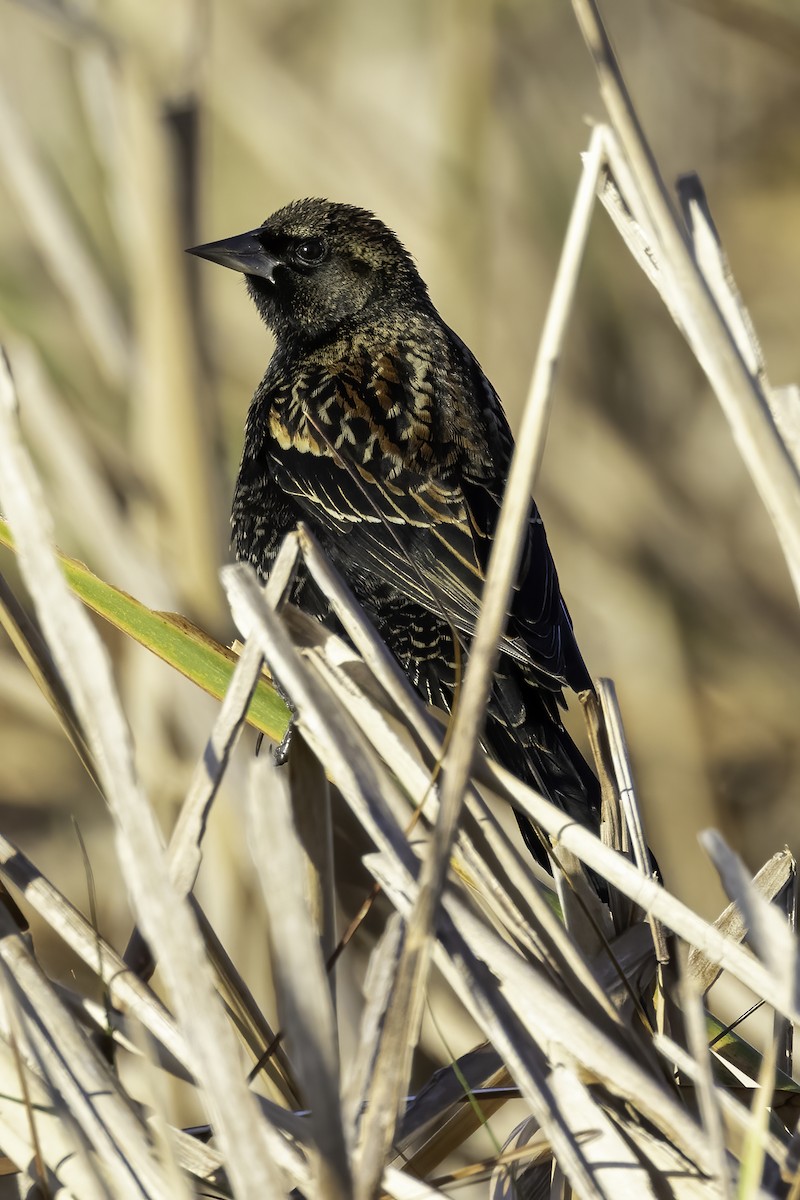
(738, 390)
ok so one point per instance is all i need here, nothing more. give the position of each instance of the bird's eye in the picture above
(310, 251)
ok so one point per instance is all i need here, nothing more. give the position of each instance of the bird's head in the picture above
(315, 266)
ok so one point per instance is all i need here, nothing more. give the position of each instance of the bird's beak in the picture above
(244, 253)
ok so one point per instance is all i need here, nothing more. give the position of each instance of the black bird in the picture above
(375, 425)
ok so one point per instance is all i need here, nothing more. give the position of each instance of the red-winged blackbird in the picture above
(375, 425)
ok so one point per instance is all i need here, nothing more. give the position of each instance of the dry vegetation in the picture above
(125, 135)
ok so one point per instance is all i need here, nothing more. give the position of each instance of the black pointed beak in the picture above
(244, 253)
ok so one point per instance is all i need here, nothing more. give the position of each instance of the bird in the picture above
(375, 425)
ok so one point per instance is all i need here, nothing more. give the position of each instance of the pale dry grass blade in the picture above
(470, 709)
(785, 405)
(353, 769)
(586, 918)
(620, 198)
(171, 427)
(768, 931)
(81, 489)
(70, 1064)
(164, 914)
(398, 1035)
(646, 893)
(124, 988)
(313, 817)
(378, 982)
(364, 637)
(537, 1006)
(299, 971)
(154, 1096)
(783, 1029)
(345, 753)
(713, 265)
(577, 1037)
(631, 837)
(486, 844)
(715, 269)
(462, 958)
(34, 1125)
(525, 913)
(613, 827)
(504, 879)
(62, 248)
(620, 758)
(35, 654)
(708, 1094)
(187, 836)
(769, 882)
(616, 1169)
(312, 801)
(774, 939)
(203, 1162)
(185, 846)
(250, 1022)
(739, 392)
(340, 745)
(404, 1187)
(738, 1117)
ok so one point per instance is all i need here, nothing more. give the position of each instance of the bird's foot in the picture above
(281, 751)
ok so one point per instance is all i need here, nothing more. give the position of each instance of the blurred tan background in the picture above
(131, 129)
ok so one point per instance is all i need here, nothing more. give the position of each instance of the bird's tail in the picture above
(524, 733)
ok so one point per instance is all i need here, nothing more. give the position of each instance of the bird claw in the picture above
(281, 751)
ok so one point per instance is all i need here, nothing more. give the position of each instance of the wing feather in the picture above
(405, 501)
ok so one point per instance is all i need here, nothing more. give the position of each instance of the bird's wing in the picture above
(351, 463)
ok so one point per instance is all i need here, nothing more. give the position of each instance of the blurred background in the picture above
(130, 129)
